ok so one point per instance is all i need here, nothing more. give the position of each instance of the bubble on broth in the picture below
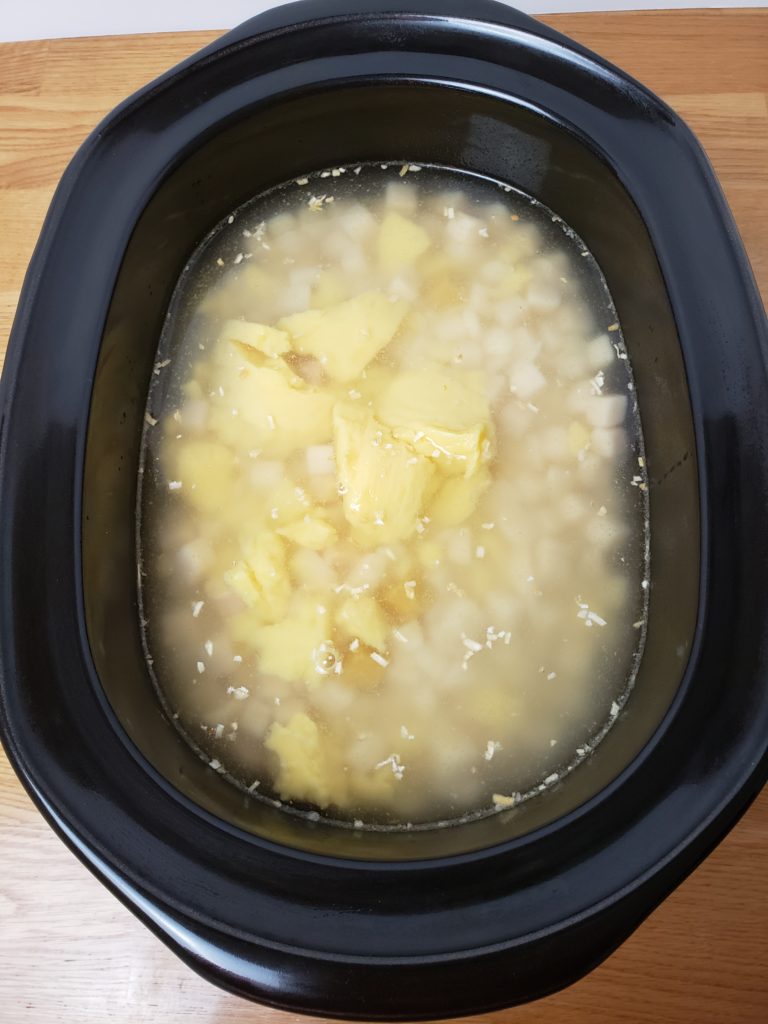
(393, 499)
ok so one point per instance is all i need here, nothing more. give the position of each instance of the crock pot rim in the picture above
(742, 788)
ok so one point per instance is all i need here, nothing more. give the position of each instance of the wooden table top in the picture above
(69, 952)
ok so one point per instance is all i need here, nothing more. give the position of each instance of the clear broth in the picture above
(494, 651)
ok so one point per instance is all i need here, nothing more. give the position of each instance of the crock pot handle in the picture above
(279, 18)
(262, 973)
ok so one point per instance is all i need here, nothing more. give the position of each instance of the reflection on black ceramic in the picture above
(313, 918)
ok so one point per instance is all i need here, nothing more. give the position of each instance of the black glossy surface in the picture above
(367, 122)
(402, 926)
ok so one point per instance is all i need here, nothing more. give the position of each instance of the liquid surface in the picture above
(393, 530)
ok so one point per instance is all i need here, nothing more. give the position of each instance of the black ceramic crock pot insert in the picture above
(307, 917)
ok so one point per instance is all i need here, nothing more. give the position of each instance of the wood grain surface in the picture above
(69, 952)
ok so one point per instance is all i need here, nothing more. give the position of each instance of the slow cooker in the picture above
(301, 914)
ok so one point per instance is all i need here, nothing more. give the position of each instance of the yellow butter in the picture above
(270, 408)
(347, 336)
(457, 498)
(383, 481)
(310, 531)
(441, 414)
(267, 340)
(261, 577)
(304, 771)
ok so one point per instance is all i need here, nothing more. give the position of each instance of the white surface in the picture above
(36, 19)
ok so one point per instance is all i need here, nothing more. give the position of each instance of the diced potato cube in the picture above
(609, 442)
(524, 241)
(544, 296)
(463, 231)
(358, 221)
(369, 571)
(289, 648)
(400, 242)
(310, 532)
(600, 352)
(320, 459)
(525, 380)
(459, 546)
(267, 340)
(457, 498)
(362, 617)
(400, 560)
(195, 558)
(304, 772)
(443, 415)
(323, 489)
(400, 196)
(515, 280)
(382, 480)
(265, 474)
(607, 410)
(261, 578)
(346, 337)
(206, 470)
(410, 636)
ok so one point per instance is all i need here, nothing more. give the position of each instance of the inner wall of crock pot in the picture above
(384, 122)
